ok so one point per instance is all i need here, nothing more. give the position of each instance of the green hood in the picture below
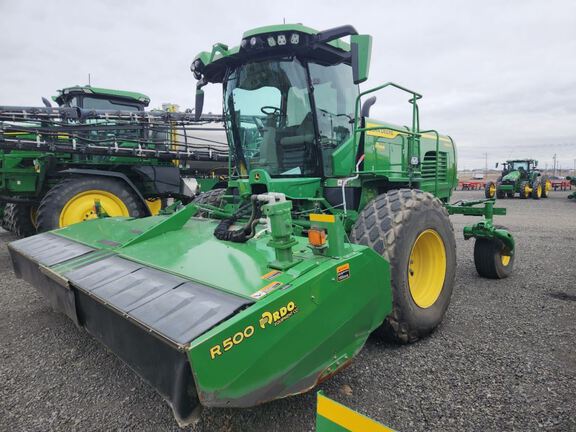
(511, 176)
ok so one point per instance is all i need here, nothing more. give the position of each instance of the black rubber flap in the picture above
(49, 249)
(178, 310)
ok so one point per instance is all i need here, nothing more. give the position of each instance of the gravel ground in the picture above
(503, 359)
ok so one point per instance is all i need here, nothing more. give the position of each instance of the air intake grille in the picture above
(429, 166)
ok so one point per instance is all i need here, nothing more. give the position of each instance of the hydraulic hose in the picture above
(241, 235)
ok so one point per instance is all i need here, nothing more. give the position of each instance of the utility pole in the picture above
(485, 165)
(554, 168)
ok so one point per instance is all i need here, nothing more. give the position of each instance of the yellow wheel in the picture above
(539, 190)
(72, 201)
(505, 259)
(80, 207)
(427, 268)
(490, 189)
(546, 187)
(155, 205)
(412, 231)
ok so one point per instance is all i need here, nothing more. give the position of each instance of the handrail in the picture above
(414, 132)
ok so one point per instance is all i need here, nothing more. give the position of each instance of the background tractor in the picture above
(519, 176)
(49, 178)
(332, 225)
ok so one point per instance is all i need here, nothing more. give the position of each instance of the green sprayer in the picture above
(332, 225)
(101, 144)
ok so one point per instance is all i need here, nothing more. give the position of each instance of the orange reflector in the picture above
(316, 237)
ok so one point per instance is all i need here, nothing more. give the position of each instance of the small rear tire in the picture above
(489, 259)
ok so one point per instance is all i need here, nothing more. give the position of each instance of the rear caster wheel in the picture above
(490, 259)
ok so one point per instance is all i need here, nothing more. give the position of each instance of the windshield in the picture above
(268, 110)
(519, 165)
(107, 104)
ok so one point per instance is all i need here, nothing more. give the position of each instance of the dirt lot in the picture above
(504, 358)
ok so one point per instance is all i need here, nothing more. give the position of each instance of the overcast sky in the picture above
(498, 76)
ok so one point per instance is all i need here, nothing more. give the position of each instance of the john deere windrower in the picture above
(333, 224)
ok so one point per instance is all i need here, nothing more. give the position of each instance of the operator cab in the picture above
(287, 115)
(289, 96)
(88, 97)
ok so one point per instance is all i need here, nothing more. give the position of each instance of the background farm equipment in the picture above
(100, 144)
(519, 177)
(572, 181)
(332, 225)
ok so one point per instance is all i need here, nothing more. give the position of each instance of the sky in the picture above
(497, 76)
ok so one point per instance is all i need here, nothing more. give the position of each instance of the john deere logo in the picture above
(257, 176)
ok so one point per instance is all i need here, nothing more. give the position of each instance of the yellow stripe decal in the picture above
(347, 418)
(315, 217)
(433, 137)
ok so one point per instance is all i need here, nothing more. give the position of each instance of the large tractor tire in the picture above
(412, 230)
(536, 189)
(490, 189)
(20, 219)
(546, 186)
(72, 201)
(489, 259)
(525, 190)
(500, 194)
(212, 197)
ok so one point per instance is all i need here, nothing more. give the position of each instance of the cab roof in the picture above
(273, 41)
(128, 96)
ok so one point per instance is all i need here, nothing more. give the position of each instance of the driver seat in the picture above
(294, 149)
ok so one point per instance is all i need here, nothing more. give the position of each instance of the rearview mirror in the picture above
(496, 164)
(46, 102)
(361, 49)
(199, 104)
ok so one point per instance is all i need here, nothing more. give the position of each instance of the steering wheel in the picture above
(271, 110)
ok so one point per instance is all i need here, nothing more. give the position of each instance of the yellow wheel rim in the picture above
(427, 268)
(526, 191)
(81, 207)
(548, 185)
(539, 191)
(505, 260)
(492, 190)
(155, 205)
